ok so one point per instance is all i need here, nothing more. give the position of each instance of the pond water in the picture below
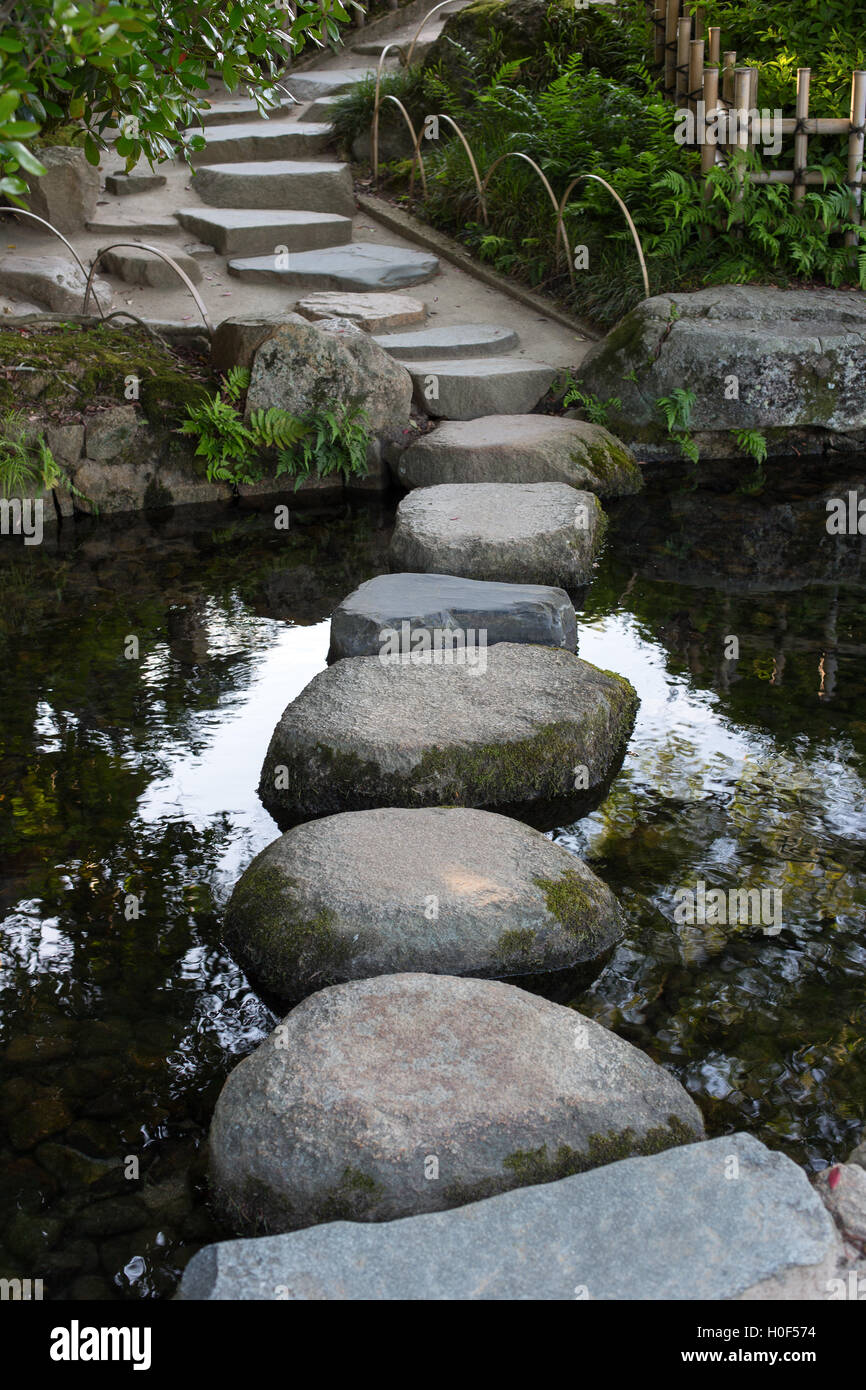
(128, 809)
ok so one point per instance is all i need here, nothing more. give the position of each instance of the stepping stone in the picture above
(519, 533)
(52, 280)
(125, 185)
(479, 386)
(240, 109)
(257, 140)
(456, 340)
(134, 225)
(322, 109)
(449, 891)
(361, 266)
(666, 1228)
(521, 449)
(506, 731)
(529, 613)
(334, 1116)
(305, 185)
(245, 230)
(141, 268)
(372, 312)
(307, 86)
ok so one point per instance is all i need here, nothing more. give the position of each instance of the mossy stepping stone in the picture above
(413, 1093)
(513, 724)
(446, 890)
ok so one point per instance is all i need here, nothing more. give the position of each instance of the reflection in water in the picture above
(128, 808)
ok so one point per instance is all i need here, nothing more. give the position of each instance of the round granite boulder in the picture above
(530, 533)
(515, 724)
(412, 1093)
(521, 449)
(447, 890)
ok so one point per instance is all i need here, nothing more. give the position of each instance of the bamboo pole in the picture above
(855, 148)
(801, 139)
(659, 34)
(696, 73)
(672, 19)
(715, 45)
(753, 89)
(817, 125)
(698, 24)
(711, 101)
(684, 38)
(742, 91)
(729, 67)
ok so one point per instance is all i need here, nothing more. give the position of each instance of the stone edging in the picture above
(418, 232)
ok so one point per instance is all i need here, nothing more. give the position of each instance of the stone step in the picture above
(231, 109)
(250, 232)
(666, 1228)
(132, 226)
(141, 268)
(533, 613)
(360, 266)
(261, 140)
(367, 732)
(476, 386)
(521, 449)
(515, 533)
(450, 340)
(375, 313)
(307, 86)
(297, 185)
(322, 109)
(128, 185)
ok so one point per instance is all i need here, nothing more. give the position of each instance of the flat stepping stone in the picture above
(245, 230)
(307, 86)
(142, 268)
(241, 109)
(322, 109)
(126, 185)
(437, 603)
(257, 140)
(518, 533)
(132, 225)
(54, 281)
(372, 312)
(449, 891)
(456, 340)
(479, 386)
(360, 266)
(521, 449)
(304, 185)
(509, 730)
(335, 1114)
(664, 1227)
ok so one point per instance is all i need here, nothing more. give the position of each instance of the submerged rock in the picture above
(666, 1227)
(409, 1093)
(445, 890)
(518, 533)
(516, 724)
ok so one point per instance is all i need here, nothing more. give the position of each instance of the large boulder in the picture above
(534, 613)
(517, 533)
(409, 1093)
(66, 194)
(445, 890)
(303, 367)
(789, 363)
(522, 725)
(670, 1226)
(521, 449)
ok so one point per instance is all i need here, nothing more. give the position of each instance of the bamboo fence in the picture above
(698, 75)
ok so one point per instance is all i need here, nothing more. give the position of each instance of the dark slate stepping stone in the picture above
(533, 613)
(665, 1227)
(458, 340)
(360, 266)
(250, 231)
(508, 729)
(333, 1116)
(445, 890)
(473, 386)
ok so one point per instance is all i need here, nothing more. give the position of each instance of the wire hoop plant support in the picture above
(142, 246)
(22, 212)
(416, 141)
(406, 59)
(416, 154)
(628, 217)
(557, 209)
